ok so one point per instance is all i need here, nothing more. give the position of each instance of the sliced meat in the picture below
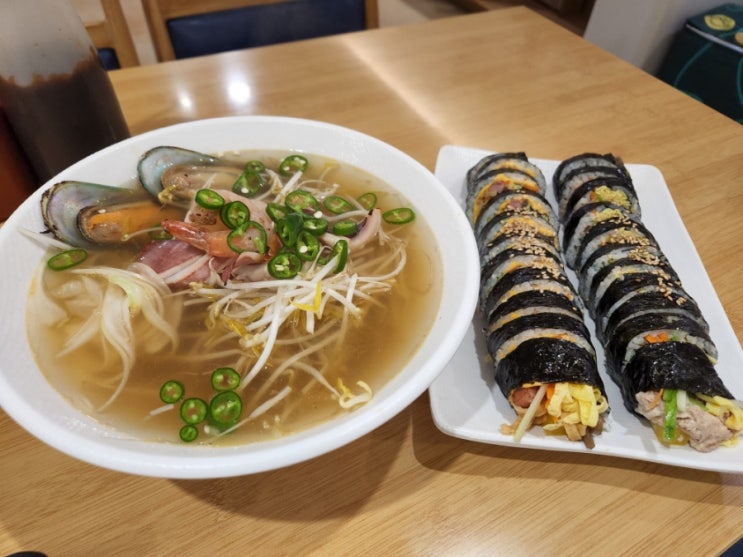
(178, 263)
(705, 430)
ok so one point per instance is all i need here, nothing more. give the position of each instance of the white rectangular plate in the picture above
(466, 403)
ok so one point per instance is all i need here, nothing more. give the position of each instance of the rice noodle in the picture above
(295, 359)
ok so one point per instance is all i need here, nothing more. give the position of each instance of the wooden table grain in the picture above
(501, 80)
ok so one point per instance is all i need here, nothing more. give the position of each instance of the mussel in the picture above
(173, 175)
(86, 215)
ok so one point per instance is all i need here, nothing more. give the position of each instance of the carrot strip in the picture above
(656, 400)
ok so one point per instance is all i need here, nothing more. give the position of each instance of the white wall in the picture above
(640, 31)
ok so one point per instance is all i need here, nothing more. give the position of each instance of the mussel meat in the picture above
(86, 215)
(173, 175)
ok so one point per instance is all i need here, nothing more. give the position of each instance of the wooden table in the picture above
(502, 80)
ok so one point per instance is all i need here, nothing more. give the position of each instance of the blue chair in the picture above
(112, 38)
(187, 28)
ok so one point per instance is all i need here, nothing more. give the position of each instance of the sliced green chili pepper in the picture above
(255, 166)
(293, 164)
(302, 201)
(225, 409)
(315, 226)
(249, 183)
(289, 228)
(341, 250)
(308, 246)
(209, 199)
(276, 211)
(368, 200)
(284, 265)
(225, 379)
(401, 215)
(194, 410)
(249, 236)
(345, 228)
(669, 420)
(234, 214)
(171, 391)
(337, 205)
(188, 433)
(66, 259)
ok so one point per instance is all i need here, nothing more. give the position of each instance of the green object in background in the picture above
(705, 60)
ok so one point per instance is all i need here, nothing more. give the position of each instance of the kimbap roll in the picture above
(656, 341)
(543, 359)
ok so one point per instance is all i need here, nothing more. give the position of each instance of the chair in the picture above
(112, 37)
(186, 28)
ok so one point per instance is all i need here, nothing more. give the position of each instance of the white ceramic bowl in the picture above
(29, 399)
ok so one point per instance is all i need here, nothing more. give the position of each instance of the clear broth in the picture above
(374, 350)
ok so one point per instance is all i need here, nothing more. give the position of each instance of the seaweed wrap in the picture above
(498, 173)
(523, 201)
(656, 341)
(573, 174)
(543, 359)
(615, 190)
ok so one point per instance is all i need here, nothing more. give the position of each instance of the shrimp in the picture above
(213, 242)
(204, 229)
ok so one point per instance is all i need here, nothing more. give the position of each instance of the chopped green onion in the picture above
(249, 236)
(249, 183)
(302, 201)
(669, 420)
(225, 379)
(172, 391)
(276, 211)
(293, 164)
(188, 433)
(337, 205)
(234, 214)
(308, 246)
(225, 409)
(289, 228)
(315, 226)
(209, 199)
(401, 215)
(255, 166)
(194, 411)
(368, 200)
(284, 265)
(66, 259)
(345, 228)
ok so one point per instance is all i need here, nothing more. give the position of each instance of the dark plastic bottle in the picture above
(54, 90)
(17, 181)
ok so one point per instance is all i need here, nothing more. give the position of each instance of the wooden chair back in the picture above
(113, 33)
(159, 12)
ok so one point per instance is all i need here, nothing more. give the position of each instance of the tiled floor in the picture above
(391, 13)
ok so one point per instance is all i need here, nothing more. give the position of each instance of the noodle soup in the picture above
(110, 332)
